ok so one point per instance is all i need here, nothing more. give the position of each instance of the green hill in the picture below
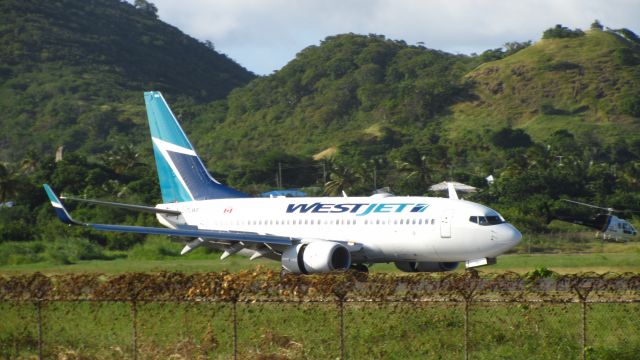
(375, 98)
(365, 90)
(72, 73)
(588, 85)
(557, 119)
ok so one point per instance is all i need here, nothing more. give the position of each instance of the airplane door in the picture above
(445, 225)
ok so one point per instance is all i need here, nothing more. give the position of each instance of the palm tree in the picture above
(341, 178)
(415, 165)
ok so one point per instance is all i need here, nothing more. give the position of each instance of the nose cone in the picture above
(508, 235)
(516, 235)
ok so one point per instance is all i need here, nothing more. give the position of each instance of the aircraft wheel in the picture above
(360, 268)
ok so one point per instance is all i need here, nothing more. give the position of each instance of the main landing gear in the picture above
(360, 268)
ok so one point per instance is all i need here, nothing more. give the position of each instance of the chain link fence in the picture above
(259, 315)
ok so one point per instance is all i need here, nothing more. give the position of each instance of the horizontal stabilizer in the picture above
(212, 234)
(149, 209)
(453, 194)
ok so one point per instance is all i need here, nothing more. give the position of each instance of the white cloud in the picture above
(263, 35)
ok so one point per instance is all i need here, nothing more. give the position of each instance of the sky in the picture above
(264, 35)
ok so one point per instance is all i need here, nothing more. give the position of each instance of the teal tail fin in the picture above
(182, 174)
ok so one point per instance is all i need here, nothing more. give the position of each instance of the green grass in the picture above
(513, 91)
(104, 330)
(563, 253)
(521, 263)
(394, 330)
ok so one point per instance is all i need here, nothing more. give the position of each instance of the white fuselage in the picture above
(389, 228)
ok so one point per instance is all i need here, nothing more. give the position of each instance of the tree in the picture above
(596, 25)
(560, 32)
(415, 165)
(342, 178)
(121, 159)
(8, 182)
(515, 46)
(147, 6)
(508, 138)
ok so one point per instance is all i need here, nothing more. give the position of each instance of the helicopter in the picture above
(610, 227)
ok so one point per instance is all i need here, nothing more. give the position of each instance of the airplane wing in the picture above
(249, 237)
(148, 209)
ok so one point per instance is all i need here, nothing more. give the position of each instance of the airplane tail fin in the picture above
(182, 174)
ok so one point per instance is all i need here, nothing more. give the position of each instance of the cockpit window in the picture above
(486, 220)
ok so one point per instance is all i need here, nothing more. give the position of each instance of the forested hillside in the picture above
(554, 119)
(72, 73)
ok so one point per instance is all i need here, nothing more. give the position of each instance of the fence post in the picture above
(341, 312)
(466, 329)
(583, 288)
(584, 328)
(40, 335)
(134, 334)
(234, 313)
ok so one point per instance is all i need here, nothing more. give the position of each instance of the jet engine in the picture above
(411, 266)
(316, 257)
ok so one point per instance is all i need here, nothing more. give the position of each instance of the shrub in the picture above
(70, 251)
(154, 249)
(560, 32)
(626, 57)
(508, 138)
(561, 66)
(21, 252)
(547, 108)
(630, 104)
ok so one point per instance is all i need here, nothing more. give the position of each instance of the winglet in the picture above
(58, 207)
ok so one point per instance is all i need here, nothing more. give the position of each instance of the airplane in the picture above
(307, 235)
(608, 226)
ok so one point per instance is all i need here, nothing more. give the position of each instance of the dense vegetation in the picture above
(72, 73)
(554, 119)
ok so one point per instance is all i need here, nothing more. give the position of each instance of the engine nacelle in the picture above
(412, 266)
(316, 257)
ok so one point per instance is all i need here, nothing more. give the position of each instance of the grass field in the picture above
(557, 255)
(301, 330)
(201, 330)
(520, 263)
